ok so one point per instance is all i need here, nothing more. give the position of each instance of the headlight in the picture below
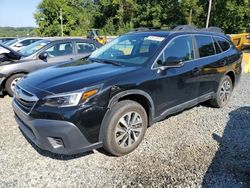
(1, 68)
(70, 99)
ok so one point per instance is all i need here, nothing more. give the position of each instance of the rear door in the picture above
(212, 63)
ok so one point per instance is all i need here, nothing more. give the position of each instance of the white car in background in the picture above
(19, 43)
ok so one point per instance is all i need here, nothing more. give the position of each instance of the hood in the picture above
(9, 53)
(71, 76)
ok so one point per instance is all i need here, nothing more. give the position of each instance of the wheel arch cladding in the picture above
(12, 74)
(232, 76)
(138, 96)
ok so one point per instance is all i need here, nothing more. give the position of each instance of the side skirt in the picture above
(184, 106)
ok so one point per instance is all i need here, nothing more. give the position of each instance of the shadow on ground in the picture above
(230, 166)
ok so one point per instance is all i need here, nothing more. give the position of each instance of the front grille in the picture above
(24, 99)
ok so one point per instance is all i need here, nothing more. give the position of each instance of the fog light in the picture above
(56, 142)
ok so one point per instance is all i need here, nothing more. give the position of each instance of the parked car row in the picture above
(19, 43)
(3, 40)
(39, 54)
(110, 98)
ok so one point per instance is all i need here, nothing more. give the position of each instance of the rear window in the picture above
(205, 45)
(223, 43)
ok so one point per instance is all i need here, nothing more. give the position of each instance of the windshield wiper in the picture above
(111, 62)
(105, 61)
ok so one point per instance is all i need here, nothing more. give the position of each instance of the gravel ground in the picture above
(202, 146)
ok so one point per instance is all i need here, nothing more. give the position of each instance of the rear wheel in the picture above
(11, 83)
(125, 127)
(223, 93)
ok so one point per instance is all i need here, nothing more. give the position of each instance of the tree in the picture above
(192, 12)
(154, 13)
(76, 16)
(116, 17)
(232, 16)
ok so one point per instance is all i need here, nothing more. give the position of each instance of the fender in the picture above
(116, 98)
(6, 76)
(232, 73)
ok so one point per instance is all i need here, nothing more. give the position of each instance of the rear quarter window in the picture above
(224, 44)
(205, 45)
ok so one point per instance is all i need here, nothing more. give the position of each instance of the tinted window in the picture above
(60, 49)
(217, 47)
(223, 43)
(84, 47)
(11, 42)
(26, 42)
(181, 48)
(205, 45)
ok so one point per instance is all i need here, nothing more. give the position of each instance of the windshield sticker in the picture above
(155, 38)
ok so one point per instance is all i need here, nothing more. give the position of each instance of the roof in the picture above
(182, 29)
(65, 38)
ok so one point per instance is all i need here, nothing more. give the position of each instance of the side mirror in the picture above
(19, 45)
(43, 56)
(174, 62)
(171, 62)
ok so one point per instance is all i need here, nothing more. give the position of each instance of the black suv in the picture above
(110, 98)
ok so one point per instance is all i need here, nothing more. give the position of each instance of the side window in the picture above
(217, 47)
(223, 43)
(85, 47)
(26, 42)
(205, 45)
(181, 48)
(60, 49)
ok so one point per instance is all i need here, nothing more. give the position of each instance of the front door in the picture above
(177, 85)
(57, 53)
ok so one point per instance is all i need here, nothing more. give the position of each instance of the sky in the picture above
(18, 13)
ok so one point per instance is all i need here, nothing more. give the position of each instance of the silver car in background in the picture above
(41, 54)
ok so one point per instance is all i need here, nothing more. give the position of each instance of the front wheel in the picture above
(223, 93)
(11, 83)
(125, 127)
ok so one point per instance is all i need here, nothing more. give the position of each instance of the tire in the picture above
(223, 93)
(119, 140)
(11, 82)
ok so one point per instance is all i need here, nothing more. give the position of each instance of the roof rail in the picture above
(213, 29)
(192, 28)
(185, 28)
(143, 29)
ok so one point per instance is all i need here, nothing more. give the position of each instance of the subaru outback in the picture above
(110, 98)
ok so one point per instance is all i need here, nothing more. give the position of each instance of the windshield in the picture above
(34, 47)
(11, 42)
(129, 49)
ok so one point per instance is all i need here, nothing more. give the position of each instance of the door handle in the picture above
(71, 59)
(196, 70)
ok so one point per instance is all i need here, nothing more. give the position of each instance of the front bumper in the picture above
(57, 136)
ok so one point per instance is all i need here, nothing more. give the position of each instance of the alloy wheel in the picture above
(13, 83)
(128, 129)
(225, 91)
